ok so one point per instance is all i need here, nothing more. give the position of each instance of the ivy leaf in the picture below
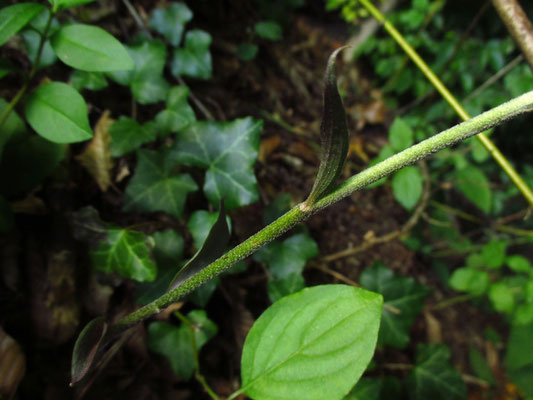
(366, 389)
(195, 59)
(407, 186)
(58, 113)
(127, 253)
(321, 334)
(175, 343)
(401, 135)
(333, 136)
(147, 82)
(96, 158)
(212, 248)
(281, 287)
(268, 30)
(178, 113)
(90, 48)
(473, 183)
(14, 18)
(400, 293)
(155, 187)
(86, 347)
(128, 135)
(170, 21)
(201, 223)
(88, 80)
(433, 377)
(228, 150)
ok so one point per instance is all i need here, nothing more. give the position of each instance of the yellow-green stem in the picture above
(452, 101)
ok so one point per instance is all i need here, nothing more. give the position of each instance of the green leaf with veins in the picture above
(433, 377)
(128, 135)
(175, 342)
(407, 186)
(400, 293)
(194, 59)
(127, 253)
(88, 80)
(281, 287)
(146, 82)
(401, 135)
(228, 150)
(14, 18)
(366, 389)
(170, 21)
(155, 186)
(178, 113)
(200, 224)
(473, 183)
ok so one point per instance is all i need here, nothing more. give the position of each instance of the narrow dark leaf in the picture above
(86, 348)
(213, 247)
(333, 135)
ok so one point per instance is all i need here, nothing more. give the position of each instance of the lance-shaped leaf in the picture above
(213, 247)
(333, 135)
(15, 17)
(86, 348)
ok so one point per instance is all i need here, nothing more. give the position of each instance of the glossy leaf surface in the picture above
(128, 135)
(320, 334)
(90, 48)
(178, 113)
(333, 135)
(58, 113)
(194, 59)
(400, 293)
(228, 150)
(88, 80)
(171, 21)
(156, 187)
(86, 347)
(14, 18)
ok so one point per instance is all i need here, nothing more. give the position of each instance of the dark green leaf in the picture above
(433, 377)
(178, 113)
(194, 59)
(90, 48)
(13, 128)
(86, 347)
(400, 135)
(168, 247)
(333, 135)
(127, 253)
(156, 187)
(88, 80)
(175, 343)
(5, 68)
(320, 334)
(58, 113)
(366, 389)
(407, 186)
(479, 365)
(247, 51)
(519, 358)
(200, 225)
(473, 183)
(25, 163)
(170, 21)
(128, 135)
(87, 226)
(493, 253)
(213, 247)
(268, 30)
(32, 40)
(277, 208)
(281, 287)
(228, 151)
(63, 4)
(201, 295)
(400, 293)
(470, 280)
(14, 18)
(6, 216)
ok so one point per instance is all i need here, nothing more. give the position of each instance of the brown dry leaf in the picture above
(303, 151)
(96, 157)
(374, 112)
(356, 147)
(433, 328)
(267, 146)
(12, 365)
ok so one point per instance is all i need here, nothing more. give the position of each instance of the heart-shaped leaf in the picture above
(194, 59)
(333, 135)
(86, 347)
(314, 344)
(213, 247)
(170, 21)
(15, 17)
(90, 48)
(128, 135)
(58, 113)
(178, 113)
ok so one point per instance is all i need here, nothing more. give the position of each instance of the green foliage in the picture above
(170, 21)
(247, 51)
(88, 80)
(404, 298)
(15, 17)
(64, 4)
(177, 114)
(407, 186)
(366, 389)
(228, 151)
(268, 30)
(86, 347)
(89, 48)
(194, 59)
(320, 334)
(127, 253)
(519, 357)
(128, 135)
(58, 113)
(473, 183)
(32, 40)
(433, 376)
(178, 344)
(401, 135)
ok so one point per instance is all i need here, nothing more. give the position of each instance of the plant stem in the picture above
(33, 71)
(452, 101)
(449, 137)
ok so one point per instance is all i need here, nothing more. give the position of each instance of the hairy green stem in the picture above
(452, 101)
(298, 214)
(33, 71)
